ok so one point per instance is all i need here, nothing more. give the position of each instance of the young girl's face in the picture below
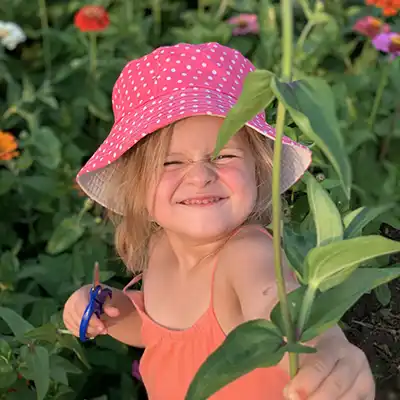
(199, 197)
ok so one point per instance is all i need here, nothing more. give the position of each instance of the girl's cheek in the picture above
(238, 176)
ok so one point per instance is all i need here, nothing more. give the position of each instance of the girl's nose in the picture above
(201, 173)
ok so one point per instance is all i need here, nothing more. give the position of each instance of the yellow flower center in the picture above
(395, 40)
(375, 22)
(4, 33)
(242, 23)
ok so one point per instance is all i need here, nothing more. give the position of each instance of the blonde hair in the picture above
(142, 165)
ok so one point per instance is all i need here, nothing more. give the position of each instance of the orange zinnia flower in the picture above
(8, 146)
(389, 7)
(92, 19)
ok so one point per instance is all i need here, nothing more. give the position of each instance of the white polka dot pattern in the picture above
(171, 83)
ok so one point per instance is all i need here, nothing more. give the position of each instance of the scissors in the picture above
(97, 297)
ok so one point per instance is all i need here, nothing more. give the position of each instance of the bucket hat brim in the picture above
(97, 178)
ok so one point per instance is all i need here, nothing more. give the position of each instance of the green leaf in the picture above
(9, 267)
(99, 103)
(319, 17)
(16, 323)
(330, 265)
(40, 183)
(329, 307)
(295, 299)
(65, 235)
(47, 147)
(5, 349)
(37, 364)
(327, 219)
(7, 181)
(65, 71)
(255, 97)
(310, 103)
(298, 348)
(28, 90)
(254, 344)
(46, 332)
(60, 367)
(356, 221)
(7, 373)
(296, 248)
(71, 342)
(383, 294)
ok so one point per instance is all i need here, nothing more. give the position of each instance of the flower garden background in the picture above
(58, 62)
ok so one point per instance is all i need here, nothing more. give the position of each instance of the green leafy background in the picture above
(50, 235)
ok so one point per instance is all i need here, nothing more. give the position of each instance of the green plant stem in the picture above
(306, 8)
(201, 7)
(223, 5)
(385, 143)
(128, 9)
(378, 97)
(305, 309)
(45, 29)
(303, 35)
(92, 54)
(87, 205)
(156, 9)
(287, 44)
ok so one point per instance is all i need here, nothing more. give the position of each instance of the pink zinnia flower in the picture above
(370, 26)
(388, 43)
(244, 24)
(135, 370)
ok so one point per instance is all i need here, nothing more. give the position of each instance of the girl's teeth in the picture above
(205, 201)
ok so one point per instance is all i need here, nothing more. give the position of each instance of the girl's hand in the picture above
(75, 307)
(338, 370)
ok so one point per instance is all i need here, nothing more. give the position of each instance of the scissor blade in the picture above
(96, 275)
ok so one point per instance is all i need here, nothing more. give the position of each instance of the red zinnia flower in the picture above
(370, 26)
(92, 19)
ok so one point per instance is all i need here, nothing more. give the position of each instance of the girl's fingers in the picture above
(95, 326)
(340, 379)
(313, 371)
(344, 376)
(363, 388)
(94, 330)
(111, 311)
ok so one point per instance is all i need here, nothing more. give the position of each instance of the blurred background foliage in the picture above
(55, 109)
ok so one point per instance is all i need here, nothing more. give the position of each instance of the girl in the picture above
(192, 226)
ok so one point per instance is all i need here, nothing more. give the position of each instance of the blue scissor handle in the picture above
(98, 296)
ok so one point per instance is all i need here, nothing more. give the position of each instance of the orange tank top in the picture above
(172, 357)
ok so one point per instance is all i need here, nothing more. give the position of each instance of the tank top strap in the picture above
(134, 280)
(215, 266)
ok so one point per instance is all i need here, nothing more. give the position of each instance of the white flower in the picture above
(11, 35)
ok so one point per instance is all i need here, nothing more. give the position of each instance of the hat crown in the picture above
(169, 69)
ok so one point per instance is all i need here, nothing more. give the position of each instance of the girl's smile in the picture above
(203, 201)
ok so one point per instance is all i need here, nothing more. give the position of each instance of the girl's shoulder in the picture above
(249, 256)
(252, 237)
(248, 264)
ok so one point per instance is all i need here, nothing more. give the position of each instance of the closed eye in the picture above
(172, 163)
(225, 156)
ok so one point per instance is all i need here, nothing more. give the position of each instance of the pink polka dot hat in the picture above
(171, 83)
